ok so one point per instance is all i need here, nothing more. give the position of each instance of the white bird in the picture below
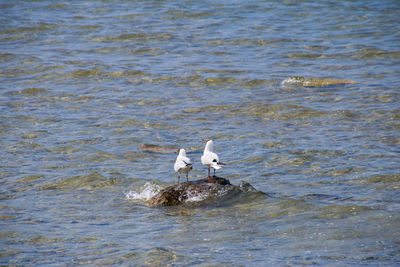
(182, 164)
(209, 158)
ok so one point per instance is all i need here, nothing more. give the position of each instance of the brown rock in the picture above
(178, 193)
(319, 82)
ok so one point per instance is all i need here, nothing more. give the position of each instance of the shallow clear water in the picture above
(84, 83)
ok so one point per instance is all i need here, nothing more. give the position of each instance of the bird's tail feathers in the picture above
(216, 166)
(187, 163)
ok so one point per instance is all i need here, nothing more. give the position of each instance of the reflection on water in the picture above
(301, 99)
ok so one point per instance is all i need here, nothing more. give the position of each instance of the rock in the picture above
(157, 149)
(315, 82)
(178, 193)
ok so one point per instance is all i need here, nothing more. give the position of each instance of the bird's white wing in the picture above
(186, 160)
(210, 158)
(181, 162)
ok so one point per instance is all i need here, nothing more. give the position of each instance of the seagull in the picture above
(209, 158)
(182, 164)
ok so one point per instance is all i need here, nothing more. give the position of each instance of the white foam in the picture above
(196, 197)
(292, 81)
(147, 191)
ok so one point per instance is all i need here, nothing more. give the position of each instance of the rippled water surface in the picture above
(300, 97)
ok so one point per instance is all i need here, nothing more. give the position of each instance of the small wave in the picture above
(147, 191)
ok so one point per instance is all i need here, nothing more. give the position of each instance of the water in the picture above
(85, 83)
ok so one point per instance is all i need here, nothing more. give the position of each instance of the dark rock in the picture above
(178, 193)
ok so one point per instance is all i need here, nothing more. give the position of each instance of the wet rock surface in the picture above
(178, 193)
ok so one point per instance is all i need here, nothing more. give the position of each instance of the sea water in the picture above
(301, 99)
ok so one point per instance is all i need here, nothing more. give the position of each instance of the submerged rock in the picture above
(157, 149)
(88, 182)
(179, 193)
(315, 82)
